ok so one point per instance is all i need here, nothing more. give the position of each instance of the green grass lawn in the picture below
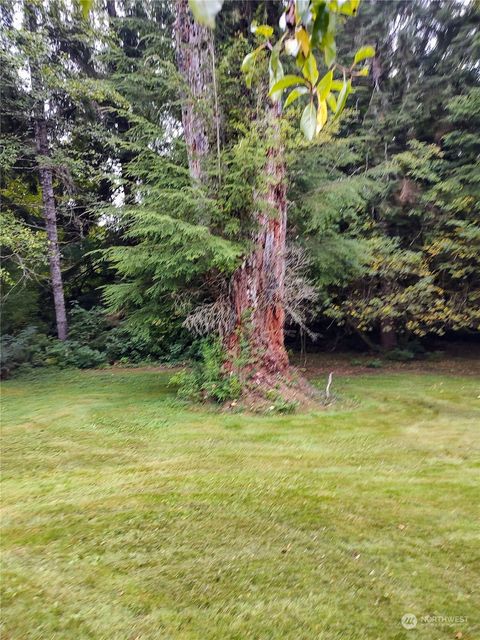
(127, 516)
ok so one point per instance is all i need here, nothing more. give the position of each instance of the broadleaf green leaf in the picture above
(330, 51)
(346, 8)
(320, 24)
(294, 95)
(308, 122)
(364, 52)
(249, 60)
(286, 81)
(354, 5)
(324, 86)
(363, 72)
(342, 97)
(276, 74)
(302, 36)
(337, 85)
(322, 115)
(310, 70)
(86, 7)
(332, 102)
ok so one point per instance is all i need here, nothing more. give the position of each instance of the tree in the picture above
(195, 60)
(452, 243)
(249, 304)
(23, 247)
(378, 198)
(153, 151)
(45, 173)
(47, 57)
(258, 286)
(53, 116)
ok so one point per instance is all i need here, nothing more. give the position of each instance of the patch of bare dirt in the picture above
(459, 360)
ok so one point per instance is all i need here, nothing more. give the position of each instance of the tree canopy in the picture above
(382, 237)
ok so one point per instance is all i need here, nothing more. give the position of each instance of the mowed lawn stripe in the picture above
(129, 515)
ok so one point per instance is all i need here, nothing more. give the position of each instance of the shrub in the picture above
(123, 345)
(435, 355)
(93, 340)
(73, 354)
(118, 342)
(400, 355)
(131, 344)
(88, 326)
(416, 347)
(374, 364)
(29, 348)
(356, 362)
(25, 348)
(208, 378)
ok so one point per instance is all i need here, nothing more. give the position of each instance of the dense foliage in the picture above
(383, 231)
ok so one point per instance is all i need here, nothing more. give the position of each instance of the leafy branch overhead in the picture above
(309, 28)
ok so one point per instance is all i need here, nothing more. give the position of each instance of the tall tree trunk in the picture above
(46, 182)
(111, 9)
(258, 285)
(122, 124)
(50, 217)
(388, 336)
(194, 44)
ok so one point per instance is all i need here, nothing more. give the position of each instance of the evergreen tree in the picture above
(377, 197)
(57, 150)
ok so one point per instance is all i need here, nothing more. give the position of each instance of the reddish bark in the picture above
(194, 44)
(257, 288)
